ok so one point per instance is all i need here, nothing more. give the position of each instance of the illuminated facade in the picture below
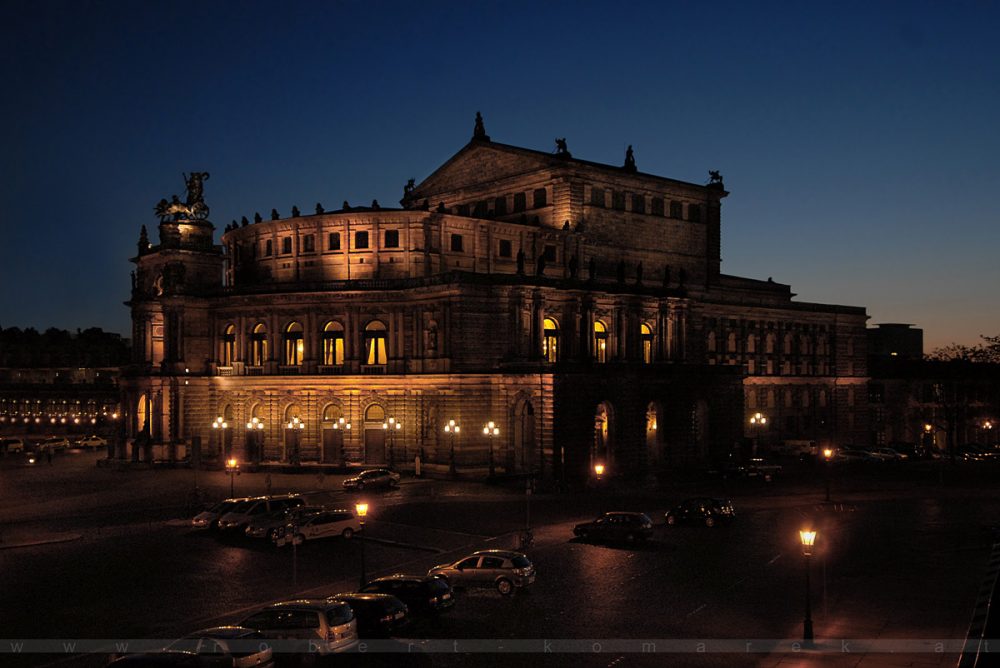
(578, 306)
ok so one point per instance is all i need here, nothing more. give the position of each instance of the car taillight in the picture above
(433, 600)
(386, 619)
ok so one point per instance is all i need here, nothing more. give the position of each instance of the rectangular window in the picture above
(361, 240)
(286, 245)
(549, 253)
(500, 206)
(656, 206)
(617, 200)
(520, 202)
(597, 197)
(333, 349)
(694, 213)
(308, 244)
(506, 248)
(456, 243)
(638, 203)
(480, 209)
(463, 209)
(676, 209)
(333, 241)
(392, 238)
(540, 200)
(268, 248)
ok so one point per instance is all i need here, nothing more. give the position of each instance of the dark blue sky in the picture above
(859, 140)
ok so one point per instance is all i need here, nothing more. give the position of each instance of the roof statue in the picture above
(714, 176)
(193, 208)
(295, 211)
(479, 133)
(409, 187)
(319, 208)
(561, 148)
(629, 165)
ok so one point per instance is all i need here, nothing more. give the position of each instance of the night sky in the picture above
(859, 141)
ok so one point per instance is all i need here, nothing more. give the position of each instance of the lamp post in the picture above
(453, 429)
(757, 420)
(987, 432)
(255, 439)
(599, 470)
(392, 426)
(294, 427)
(345, 426)
(827, 458)
(491, 430)
(808, 538)
(233, 467)
(219, 427)
(362, 511)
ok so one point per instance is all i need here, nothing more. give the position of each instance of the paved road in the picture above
(888, 565)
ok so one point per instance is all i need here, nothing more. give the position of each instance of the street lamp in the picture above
(255, 439)
(757, 420)
(827, 458)
(452, 429)
(294, 427)
(491, 430)
(233, 467)
(220, 424)
(392, 426)
(362, 510)
(808, 538)
(987, 430)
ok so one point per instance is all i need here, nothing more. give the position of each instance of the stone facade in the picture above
(580, 307)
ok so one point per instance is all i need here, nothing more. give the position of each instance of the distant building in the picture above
(896, 340)
(579, 307)
(58, 382)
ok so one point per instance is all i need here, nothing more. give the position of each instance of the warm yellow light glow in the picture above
(808, 538)
(232, 464)
(599, 469)
(827, 453)
(928, 428)
(758, 418)
(362, 509)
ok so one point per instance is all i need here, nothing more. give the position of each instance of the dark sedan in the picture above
(373, 479)
(420, 593)
(702, 510)
(378, 615)
(616, 526)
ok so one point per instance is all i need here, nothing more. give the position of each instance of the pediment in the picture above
(481, 162)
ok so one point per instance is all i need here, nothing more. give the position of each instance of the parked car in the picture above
(267, 525)
(92, 441)
(235, 646)
(893, 455)
(11, 445)
(166, 659)
(614, 526)
(237, 519)
(503, 569)
(852, 456)
(326, 625)
(378, 615)
(54, 443)
(326, 524)
(373, 478)
(702, 510)
(420, 593)
(210, 518)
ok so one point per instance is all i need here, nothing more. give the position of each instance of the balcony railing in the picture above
(255, 371)
(288, 370)
(226, 371)
(373, 370)
(331, 370)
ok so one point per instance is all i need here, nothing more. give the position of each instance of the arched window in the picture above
(600, 342)
(731, 342)
(769, 343)
(294, 345)
(787, 348)
(710, 344)
(752, 343)
(550, 340)
(375, 413)
(646, 337)
(333, 344)
(258, 345)
(375, 343)
(228, 353)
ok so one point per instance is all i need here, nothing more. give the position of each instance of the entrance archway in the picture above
(374, 434)
(602, 448)
(521, 456)
(333, 434)
(654, 441)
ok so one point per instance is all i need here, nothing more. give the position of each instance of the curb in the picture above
(45, 541)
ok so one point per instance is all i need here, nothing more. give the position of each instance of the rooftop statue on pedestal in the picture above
(629, 165)
(561, 148)
(193, 208)
(479, 132)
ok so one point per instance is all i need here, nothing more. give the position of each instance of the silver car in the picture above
(210, 518)
(268, 525)
(240, 517)
(227, 645)
(503, 569)
(323, 626)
